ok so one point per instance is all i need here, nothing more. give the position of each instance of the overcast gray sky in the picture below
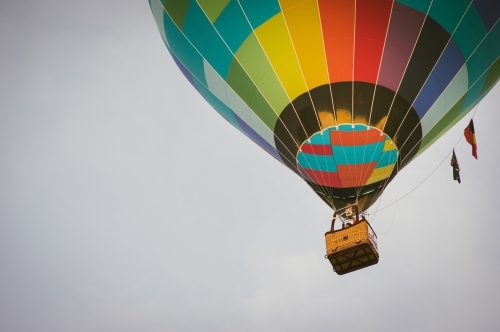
(128, 204)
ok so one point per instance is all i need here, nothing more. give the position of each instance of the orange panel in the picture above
(337, 20)
(355, 175)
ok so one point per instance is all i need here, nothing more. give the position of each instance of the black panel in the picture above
(322, 98)
(363, 97)
(342, 97)
(431, 43)
(381, 105)
(401, 118)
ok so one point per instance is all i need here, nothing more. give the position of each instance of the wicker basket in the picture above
(352, 248)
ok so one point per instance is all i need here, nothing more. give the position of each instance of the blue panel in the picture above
(449, 64)
(317, 162)
(349, 155)
(259, 11)
(219, 106)
(259, 140)
(233, 26)
(489, 10)
(200, 31)
(430, 92)
(387, 158)
(183, 50)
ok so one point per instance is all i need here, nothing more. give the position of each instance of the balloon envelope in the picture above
(345, 93)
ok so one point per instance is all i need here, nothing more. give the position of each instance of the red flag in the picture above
(470, 137)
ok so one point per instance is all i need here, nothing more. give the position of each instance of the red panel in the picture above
(337, 20)
(325, 150)
(346, 138)
(355, 175)
(328, 179)
(372, 20)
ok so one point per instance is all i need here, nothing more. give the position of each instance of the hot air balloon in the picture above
(345, 93)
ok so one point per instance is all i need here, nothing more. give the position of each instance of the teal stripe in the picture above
(200, 31)
(317, 162)
(470, 32)
(361, 154)
(448, 14)
(420, 5)
(351, 128)
(183, 50)
(260, 11)
(387, 158)
(233, 26)
(480, 61)
(320, 139)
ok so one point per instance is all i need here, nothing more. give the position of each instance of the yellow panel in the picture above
(380, 174)
(304, 25)
(285, 4)
(274, 38)
(389, 145)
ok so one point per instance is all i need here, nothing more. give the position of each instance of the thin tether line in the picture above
(464, 65)
(442, 124)
(428, 176)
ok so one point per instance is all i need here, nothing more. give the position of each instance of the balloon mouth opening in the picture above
(347, 156)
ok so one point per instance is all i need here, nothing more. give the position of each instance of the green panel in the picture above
(239, 81)
(213, 8)
(177, 10)
(420, 5)
(449, 118)
(448, 12)
(443, 129)
(271, 88)
(479, 63)
(253, 59)
(261, 107)
(493, 76)
(470, 32)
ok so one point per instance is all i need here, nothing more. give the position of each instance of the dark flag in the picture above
(470, 137)
(456, 168)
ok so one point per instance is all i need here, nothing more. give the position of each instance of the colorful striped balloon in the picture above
(345, 93)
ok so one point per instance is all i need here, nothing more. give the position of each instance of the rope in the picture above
(395, 208)
(428, 176)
